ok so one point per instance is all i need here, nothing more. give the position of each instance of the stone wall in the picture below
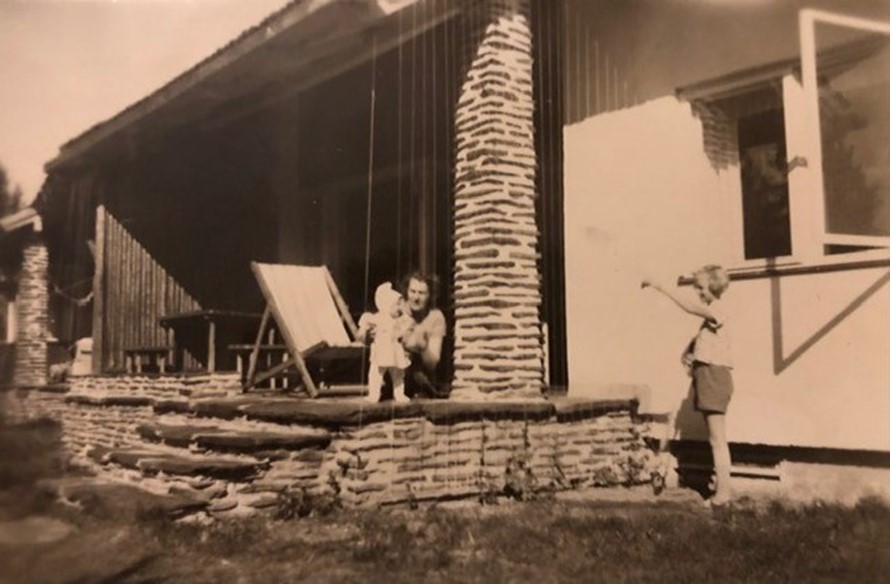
(32, 307)
(241, 454)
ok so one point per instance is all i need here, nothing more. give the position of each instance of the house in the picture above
(540, 157)
(670, 149)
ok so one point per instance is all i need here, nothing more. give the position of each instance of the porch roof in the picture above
(27, 217)
(300, 46)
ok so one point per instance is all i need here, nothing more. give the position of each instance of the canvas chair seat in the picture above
(311, 315)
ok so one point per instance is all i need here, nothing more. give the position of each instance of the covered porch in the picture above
(327, 135)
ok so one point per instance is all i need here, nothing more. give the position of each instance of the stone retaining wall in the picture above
(386, 455)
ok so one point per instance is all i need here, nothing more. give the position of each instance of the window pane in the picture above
(765, 205)
(853, 68)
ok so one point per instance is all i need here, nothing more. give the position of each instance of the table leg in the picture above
(211, 348)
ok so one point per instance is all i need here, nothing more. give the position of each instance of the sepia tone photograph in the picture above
(457, 291)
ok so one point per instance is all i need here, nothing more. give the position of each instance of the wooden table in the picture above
(206, 333)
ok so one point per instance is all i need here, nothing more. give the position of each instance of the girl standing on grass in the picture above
(710, 359)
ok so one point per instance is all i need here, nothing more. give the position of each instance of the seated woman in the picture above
(422, 338)
(423, 341)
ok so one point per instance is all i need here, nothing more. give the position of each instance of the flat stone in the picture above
(166, 406)
(263, 502)
(254, 488)
(181, 465)
(330, 413)
(224, 505)
(223, 408)
(174, 435)
(201, 483)
(112, 500)
(248, 441)
(446, 411)
(129, 458)
(110, 400)
(573, 408)
(199, 495)
(279, 454)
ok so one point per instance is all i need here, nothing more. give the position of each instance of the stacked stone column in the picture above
(32, 315)
(497, 286)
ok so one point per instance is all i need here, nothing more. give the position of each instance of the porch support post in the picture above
(498, 351)
(32, 314)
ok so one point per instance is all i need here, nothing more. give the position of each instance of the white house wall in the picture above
(641, 197)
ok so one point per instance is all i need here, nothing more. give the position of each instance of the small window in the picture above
(765, 209)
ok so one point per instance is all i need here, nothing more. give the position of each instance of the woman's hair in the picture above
(717, 279)
(431, 281)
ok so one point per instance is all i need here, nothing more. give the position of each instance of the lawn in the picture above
(541, 541)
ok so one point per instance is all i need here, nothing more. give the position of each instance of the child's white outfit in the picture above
(387, 353)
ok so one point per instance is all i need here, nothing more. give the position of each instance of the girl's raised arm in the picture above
(685, 303)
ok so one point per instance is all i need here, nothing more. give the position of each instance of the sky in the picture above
(66, 65)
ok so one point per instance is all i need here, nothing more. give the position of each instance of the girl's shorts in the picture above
(713, 387)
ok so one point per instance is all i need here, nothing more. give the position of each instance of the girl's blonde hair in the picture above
(717, 279)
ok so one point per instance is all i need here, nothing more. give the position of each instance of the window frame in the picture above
(813, 234)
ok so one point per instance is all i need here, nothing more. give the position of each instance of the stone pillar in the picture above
(498, 349)
(32, 315)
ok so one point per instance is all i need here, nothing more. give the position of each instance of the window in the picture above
(845, 65)
(811, 140)
(765, 209)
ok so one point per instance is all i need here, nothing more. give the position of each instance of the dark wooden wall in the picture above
(137, 291)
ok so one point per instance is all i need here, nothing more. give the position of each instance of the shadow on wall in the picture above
(781, 360)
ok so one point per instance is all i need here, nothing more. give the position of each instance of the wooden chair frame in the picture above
(298, 359)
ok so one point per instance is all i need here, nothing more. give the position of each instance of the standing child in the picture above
(385, 329)
(711, 365)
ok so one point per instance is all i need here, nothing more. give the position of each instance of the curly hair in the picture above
(431, 281)
(717, 279)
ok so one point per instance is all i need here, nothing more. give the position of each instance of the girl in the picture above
(711, 364)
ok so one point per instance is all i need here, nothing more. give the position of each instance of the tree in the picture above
(10, 197)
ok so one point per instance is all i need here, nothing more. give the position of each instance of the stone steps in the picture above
(239, 437)
(154, 461)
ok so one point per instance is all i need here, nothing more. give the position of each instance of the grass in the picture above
(548, 541)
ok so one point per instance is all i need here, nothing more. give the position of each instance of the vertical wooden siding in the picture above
(596, 75)
(137, 291)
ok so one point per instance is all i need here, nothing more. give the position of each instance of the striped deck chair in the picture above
(312, 317)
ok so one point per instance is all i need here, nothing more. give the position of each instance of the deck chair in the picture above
(312, 317)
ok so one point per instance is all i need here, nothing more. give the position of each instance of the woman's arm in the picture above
(687, 304)
(426, 342)
(432, 353)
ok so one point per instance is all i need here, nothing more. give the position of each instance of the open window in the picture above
(810, 137)
(845, 71)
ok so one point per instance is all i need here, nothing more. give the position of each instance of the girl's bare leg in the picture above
(720, 451)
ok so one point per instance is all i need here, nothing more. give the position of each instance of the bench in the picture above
(267, 355)
(137, 358)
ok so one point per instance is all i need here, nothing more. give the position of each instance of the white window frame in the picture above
(810, 235)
